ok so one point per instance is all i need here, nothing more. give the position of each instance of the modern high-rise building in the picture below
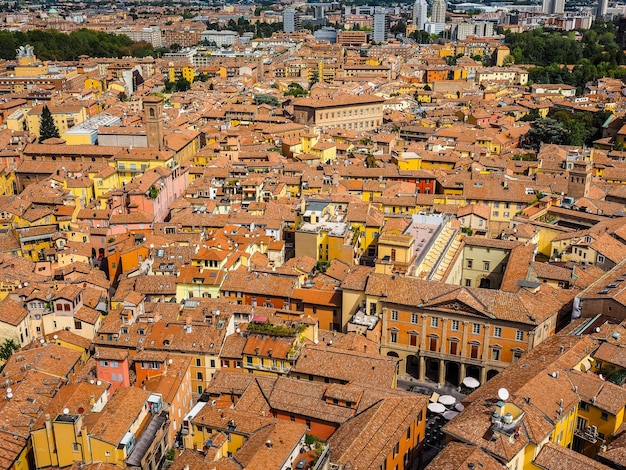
(602, 8)
(381, 25)
(420, 11)
(552, 7)
(438, 14)
(291, 20)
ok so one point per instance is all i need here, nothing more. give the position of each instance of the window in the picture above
(393, 337)
(455, 325)
(394, 315)
(506, 214)
(470, 263)
(468, 283)
(412, 339)
(434, 322)
(517, 355)
(104, 363)
(198, 362)
(584, 406)
(454, 348)
(486, 265)
(432, 343)
(414, 318)
(497, 332)
(476, 328)
(496, 213)
(474, 347)
(600, 259)
(495, 354)
(605, 416)
(519, 335)
(78, 325)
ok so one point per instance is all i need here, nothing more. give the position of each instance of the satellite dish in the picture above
(42, 341)
(56, 337)
(9, 395)
(503, 394)
(99, 382)
(66, 411)
(9, 390)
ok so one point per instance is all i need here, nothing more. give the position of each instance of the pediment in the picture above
(459, 300)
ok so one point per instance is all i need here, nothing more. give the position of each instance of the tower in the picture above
(291, 20)
(552, 7)
(381, 25)
(419, 14)
(153, 115)
(602, 8)
(438, 14)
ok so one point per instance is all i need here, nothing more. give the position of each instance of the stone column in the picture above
(461, 372)
(442, 346)
(483, 375)
(464, 325)
(423, 345)
(486, 343)
(442, 372)
(422, 372)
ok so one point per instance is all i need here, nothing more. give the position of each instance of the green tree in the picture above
(295, 90)
(8, 348)
(47, 128)
(182, 84)
(547, 130)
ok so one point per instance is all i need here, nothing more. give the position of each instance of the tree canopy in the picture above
(55, 45)
(561, 57)
(563, 127)
(47, 127)
(8, 348)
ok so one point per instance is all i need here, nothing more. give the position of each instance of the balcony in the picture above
(275, 369)
(590, 434)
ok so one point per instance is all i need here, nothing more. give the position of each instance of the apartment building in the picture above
(353, 112)
(447, 332)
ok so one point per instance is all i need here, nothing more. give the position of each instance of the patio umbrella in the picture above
(447, 400)
(450, 414)
(471, 382)
(436, 407)
(459, 407)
